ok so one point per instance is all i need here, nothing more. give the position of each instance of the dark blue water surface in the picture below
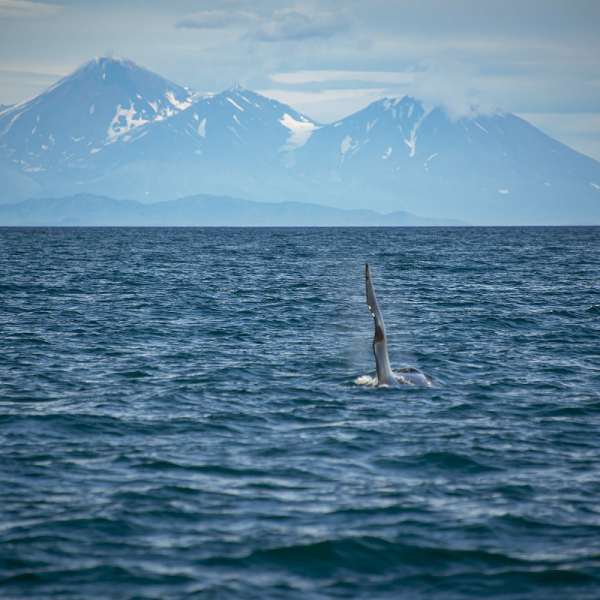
(183, 414)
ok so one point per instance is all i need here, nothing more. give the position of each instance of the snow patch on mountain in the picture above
(300, 131)
(123, 122)
(236, 105)
(10, 124)
(202, 127)
(346, 144)
(425, 163)
(480, 127)
(170, 96)
(411, 143)
(390, 103)
(236, 133)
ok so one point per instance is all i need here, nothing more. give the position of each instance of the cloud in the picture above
(448, 85)
(289, 24)
(217, 19)
(298, 77)
(37, 68)
(21, 9)
(293, 24)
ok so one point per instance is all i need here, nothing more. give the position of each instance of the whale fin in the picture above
(384, 373)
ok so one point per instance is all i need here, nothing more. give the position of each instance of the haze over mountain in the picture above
(116, 129)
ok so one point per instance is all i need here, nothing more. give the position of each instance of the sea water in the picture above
(185, 413)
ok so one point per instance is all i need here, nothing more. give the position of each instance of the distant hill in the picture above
(195, 211)
(116, 129)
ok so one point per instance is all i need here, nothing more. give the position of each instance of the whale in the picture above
(385, 375)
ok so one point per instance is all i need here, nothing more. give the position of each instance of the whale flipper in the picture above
(385, 375)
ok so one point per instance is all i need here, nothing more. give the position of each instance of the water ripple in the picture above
(190, 413)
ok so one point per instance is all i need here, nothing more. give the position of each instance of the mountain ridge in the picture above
(117, 129)
(196, 211)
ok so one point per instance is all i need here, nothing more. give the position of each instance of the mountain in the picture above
(495, 166)
(53, 138)
(113, 128)
(195, 211)
(228, 143)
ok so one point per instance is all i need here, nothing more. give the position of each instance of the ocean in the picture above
(185, 413)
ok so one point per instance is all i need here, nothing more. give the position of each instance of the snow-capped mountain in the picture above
(495, 164)
(116, 129)
(239, 118)
(104, 102)
(232, 143)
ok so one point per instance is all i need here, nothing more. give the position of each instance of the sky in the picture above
(539, 59)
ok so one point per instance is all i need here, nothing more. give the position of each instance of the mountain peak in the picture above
(106, 64)
(111, 60)
(105, 100)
